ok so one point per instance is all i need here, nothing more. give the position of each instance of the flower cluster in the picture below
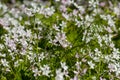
(60, 40)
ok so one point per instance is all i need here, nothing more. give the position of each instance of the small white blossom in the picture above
(41, 57)
(66, 16)
(56, 27)
(49, 11)
(45, 70)
(36, 72)
(4, 63)
(57, 0)
(117, 11)
(63, 8)
(112, 67)
(29, 12)
(2, 55)
(91, 64)
(94, 78)
(61, 38)
(59, 75)
(66, 2)
(63, 65)
(16, 64)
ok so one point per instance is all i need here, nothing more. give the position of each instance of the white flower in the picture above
(96, 59)
(93, 3)
(112, 45)
(27, 22)
(61, 38)
(116, 53)
(41, 56)
(63, 65)
(56, 27)
(28, 33)
(14, 21)
(5, 8)
(34, 5)
(102, 78)
(78, 23)
(0, 5)
(89, 18)
(117, 11)
(112, 67)
(4, 63)
(103, 17)
(10, 43)
(94, 78)
(97, 52)
(91, 64)
(45, 70)
(49, 11)
(75, 77)
(78, 65)
(2, 55)
(66, 16)
(107, 58)
(102, 4)
(63, 25)
(1, 46)
(81, 9)
(16, 64)
(63, 8)
(59, 75)
(7, 69)
(4, 22)
(24, 43)
(75, 12)
(57, 0)
(28, 11)
(99, 40)
(111, 22)
(66, 2)
(38, 21)
(36, 72)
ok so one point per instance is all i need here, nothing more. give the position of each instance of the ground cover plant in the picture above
(59, 40)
